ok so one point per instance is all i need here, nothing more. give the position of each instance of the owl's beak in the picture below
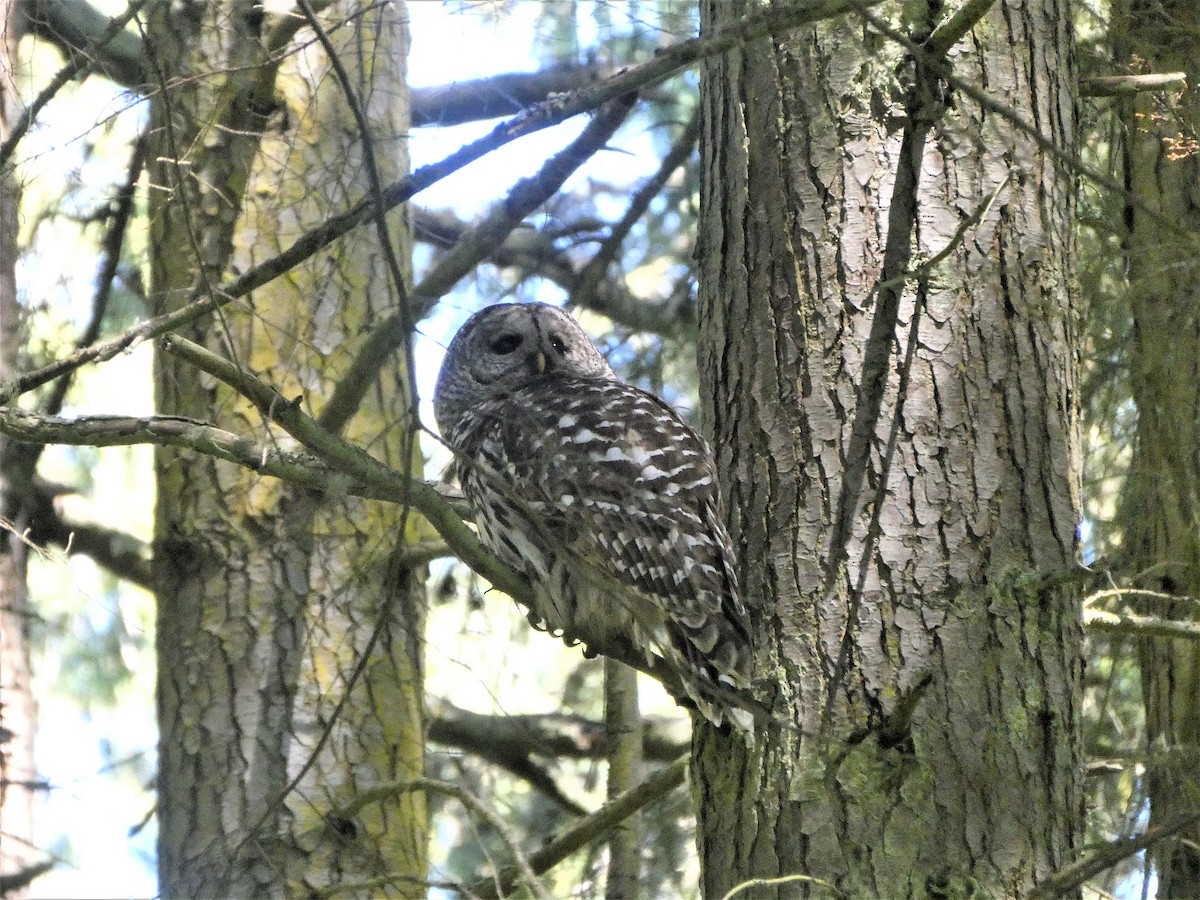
(539, 362)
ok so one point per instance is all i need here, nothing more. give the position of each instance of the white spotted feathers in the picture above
(600, 494)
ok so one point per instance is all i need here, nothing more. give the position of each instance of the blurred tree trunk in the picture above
(1160, 508)
(899, 456)
(18, 713)
(271, 596)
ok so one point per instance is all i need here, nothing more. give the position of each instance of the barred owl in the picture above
(601, 495)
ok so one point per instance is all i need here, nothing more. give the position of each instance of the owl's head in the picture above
(503, 348)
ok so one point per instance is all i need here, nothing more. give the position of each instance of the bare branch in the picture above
(1143, 626)
(1069, 879)
(1124, 85)
(555, 735)
(80, 63)
(467, 799)
(585, 293)
(122, 554)
(76, 28)
(114, 240)
(499, 95)
(474, 246)
(534, 252)
(544, 115)
(590, 829)
(964, 19)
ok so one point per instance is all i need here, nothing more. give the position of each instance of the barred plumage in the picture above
(600, 494)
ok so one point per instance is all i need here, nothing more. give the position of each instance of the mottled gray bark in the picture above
(271, 596)
(18, 711)
(899, 456)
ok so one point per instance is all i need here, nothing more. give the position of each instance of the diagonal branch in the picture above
(1067, 880)
(355, 462)
(467, 799)
(81, 63)
(544, 115)
(472, 248)
(590, 829)
(114, 240)
(499, 95)
(585, 293)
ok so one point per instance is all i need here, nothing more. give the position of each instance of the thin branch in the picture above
(122, 554)
(80, 64)
(956, 239)
(989, 103)
(499, 95)
(742, 887)
(552, 735)
(963, 20)
(590, 277)
(535, 253)
(593, 828)
(467, 799)
(75, 27)
(1125, 85)
(544, 115)
(1142, 626)
(474, 246)
(176, 431)
(114, 240)
(1067, 880)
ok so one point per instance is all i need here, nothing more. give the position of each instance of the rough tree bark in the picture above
(18, 712)
(270, 596)
(1160, 508)
(899, 456)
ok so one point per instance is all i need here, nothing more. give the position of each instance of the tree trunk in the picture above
(272, 598)
(899, 456)
(18, 711)
(1160, 508)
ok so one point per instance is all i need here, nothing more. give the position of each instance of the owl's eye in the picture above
(506, 344)
(559, 345)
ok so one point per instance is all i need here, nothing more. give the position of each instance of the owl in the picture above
(601, 495)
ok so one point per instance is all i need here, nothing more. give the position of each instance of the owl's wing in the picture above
(630, 490)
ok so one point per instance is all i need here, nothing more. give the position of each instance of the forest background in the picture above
(513, 718)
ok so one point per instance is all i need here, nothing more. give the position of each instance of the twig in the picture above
(82, 63)
(114, 240)
(989, 103)
(590, 829)
(473, 247)
(590, 277)
(778, 880)
(1142, 626)
(956, 239)
(544, 115)
(1071, 877)
(463, 796)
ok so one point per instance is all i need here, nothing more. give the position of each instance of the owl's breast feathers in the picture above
(629, 489)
